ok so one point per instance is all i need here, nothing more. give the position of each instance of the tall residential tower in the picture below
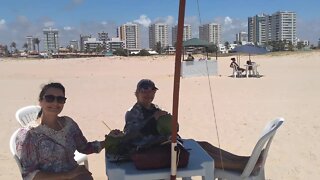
(186, 33)
(158, 33)
(130, 34)
(211, 33)
(51, 40)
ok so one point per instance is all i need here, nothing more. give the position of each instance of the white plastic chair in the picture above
(264, 142)
(27, 115)
(236, 72)
(12, 145)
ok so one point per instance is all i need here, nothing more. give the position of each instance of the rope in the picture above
(211, 97)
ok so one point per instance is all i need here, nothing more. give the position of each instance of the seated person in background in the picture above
(250, 63)
(190, 57)
(235, 65)
(46, 151)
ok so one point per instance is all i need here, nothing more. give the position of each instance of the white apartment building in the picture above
(278, 26)
(259, 29)
(92, 44)
(115, 43)
(187, 34)
(283, 26)
(211, 33)
(30, 43)
(74, 44)
(83, 38)
(158, 33)
(242, 37)
(130, 34)
(51, 40)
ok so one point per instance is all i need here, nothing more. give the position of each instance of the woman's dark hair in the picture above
(44, 90)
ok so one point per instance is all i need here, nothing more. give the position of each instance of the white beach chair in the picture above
(262, 147)
(27, 115)
(236, 72)
(13, 149)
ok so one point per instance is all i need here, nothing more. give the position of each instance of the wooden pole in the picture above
(176, 88)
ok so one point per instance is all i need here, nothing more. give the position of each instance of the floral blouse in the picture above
(41, 148)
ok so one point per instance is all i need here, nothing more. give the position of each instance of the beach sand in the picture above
(102, 89)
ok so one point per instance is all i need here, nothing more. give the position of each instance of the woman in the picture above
(46, 151)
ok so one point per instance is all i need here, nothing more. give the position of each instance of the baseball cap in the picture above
(145, 84)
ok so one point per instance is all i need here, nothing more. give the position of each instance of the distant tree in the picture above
(120, 52)
(143, 52)
(227, 45)
(212, 48)
(158, 47)
(25, 46)
(99, 48)
(37, 42)
(13, 45)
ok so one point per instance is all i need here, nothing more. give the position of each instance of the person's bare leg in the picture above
(229, 160)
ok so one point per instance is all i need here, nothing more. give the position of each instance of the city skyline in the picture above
(19, 19)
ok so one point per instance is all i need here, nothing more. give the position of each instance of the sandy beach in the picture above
(102, 89)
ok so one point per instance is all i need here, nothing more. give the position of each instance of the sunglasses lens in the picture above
(61, 99)
(49, 98)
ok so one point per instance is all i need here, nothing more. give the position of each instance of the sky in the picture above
(21, 18)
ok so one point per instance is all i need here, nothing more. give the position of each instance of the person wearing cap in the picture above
(235, 65)
(141, 119)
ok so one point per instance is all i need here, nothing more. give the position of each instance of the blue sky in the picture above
(19, 18)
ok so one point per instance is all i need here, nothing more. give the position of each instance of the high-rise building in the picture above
(186, 33)
(241, 37)
(210, 33)
(74, 45)
(51, 40)
(114, 44)
(30, 43)
(83, 38)
(279, 26)
(158, 33)
(283, 26)
(258, 28)
(103, 36)
(130, 34)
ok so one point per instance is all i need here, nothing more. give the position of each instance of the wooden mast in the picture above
(176, 88)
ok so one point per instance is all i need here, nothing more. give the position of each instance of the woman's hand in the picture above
(157, 114)
(79, 173)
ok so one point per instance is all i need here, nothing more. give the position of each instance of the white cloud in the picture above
(143, 20)
(2, 24)
(67, 28)
(48, 24)
(104, 23)
(167, 20)
(227, 20)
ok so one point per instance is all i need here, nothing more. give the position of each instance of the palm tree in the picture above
(13, 45)
(37, 42)
(25, 46)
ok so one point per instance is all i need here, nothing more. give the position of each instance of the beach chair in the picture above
(262, 147)
(27, 115)
(236, 72)
(12, 145)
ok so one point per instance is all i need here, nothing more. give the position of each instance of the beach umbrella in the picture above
(250, 49)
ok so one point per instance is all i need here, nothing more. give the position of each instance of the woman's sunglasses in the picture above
(51, 98)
